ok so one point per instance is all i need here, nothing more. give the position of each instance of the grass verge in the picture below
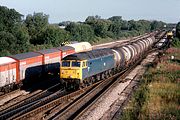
(158, 96)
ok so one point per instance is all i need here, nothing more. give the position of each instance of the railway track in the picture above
(25, 103)
(46, 104)
(8, 94)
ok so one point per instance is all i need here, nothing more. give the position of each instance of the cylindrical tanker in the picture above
(119, 57)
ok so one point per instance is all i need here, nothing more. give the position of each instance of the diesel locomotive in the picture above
(85, 68)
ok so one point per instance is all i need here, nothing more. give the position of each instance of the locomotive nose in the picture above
(70, 73)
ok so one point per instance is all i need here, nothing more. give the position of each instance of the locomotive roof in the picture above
(89, 54)
(46, 51)
(25, 55)
(65, 48)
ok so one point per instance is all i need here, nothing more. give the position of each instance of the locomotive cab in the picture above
(72, 69)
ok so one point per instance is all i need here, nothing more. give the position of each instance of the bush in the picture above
(176, 42)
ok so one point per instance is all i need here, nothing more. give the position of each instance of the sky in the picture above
(78, 10)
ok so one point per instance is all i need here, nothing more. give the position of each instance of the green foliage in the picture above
(100, 26)
(176, 42)
(53, 35)
(178, 30)
(80, 32)
(115, 28)
(141, 26)
(14, 37)
(157, 25)
(33, 33)
(8, 18)
(36, 24)
(117, 19)
(158, 95)
(7, 42)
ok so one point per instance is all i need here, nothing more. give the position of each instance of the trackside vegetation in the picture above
(176, 40)
(19, 33)
(158, 96)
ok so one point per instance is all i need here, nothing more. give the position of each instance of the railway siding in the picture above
(7, 97)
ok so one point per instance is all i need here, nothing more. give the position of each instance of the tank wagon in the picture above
(82, 69)
(17, 69)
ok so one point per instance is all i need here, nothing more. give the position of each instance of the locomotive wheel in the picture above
(110, 73)
(107, 74)
(103, 75)
(98, 77)
(93, 80)
(90, 81)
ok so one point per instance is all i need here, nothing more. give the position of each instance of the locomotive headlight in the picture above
(62, 72)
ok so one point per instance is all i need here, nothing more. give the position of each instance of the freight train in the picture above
(16, 69)
(85, 68)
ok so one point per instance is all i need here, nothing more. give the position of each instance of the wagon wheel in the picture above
(98, 77)
(7, 89)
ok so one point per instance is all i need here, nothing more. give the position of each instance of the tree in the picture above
(115, 28)
(36, 24)
(92, 18)
(116, 19)
(53, 35)
(80, 32)
(7, 42)
(178, 30)
(20, 31)
(157, 25)
(14, 36)
(8, 18)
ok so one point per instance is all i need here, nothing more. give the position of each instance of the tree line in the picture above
(20, 34)
(176, 39)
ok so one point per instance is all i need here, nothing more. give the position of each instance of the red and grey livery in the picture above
(16, 69)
